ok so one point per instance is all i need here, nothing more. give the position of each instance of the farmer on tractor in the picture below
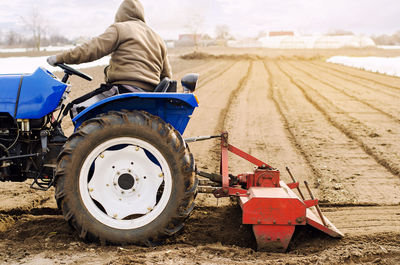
(138, 54)
(126, 175)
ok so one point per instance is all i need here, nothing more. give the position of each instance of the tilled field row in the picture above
(214, 96)
(359, 85)
(354, 163)
(356, 221)
(376, 131)
(274, 119)
(256, 126)
(288, 117)
(376, 100)
(388, 83)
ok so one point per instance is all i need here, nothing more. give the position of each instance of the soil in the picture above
(334, 126)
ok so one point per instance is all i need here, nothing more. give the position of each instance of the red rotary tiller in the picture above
(268, 203)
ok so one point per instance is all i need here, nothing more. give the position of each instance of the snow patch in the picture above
(389, 47)
(48, 49)
(27, 65)
(383, 65)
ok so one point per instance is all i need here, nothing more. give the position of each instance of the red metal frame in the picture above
(268, 203)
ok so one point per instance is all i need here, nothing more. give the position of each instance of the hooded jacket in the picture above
(138, 54)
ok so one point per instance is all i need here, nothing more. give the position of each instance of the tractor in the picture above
(126, 175)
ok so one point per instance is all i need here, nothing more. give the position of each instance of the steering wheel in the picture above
(71, 71)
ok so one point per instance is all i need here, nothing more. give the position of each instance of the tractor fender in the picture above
(173, 108)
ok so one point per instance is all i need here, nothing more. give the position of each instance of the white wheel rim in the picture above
(125, 182)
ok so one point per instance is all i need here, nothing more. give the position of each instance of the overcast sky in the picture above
(74, 18)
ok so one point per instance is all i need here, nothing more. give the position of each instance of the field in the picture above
(334, 126)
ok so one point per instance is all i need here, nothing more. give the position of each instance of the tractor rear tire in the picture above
(126, 178)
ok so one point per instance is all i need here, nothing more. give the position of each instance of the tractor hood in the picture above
(30, 96)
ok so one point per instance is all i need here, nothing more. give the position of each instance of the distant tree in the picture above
(386, 39)
(12, 38)
(396, 37)
(261, 34)
(206, 37)
(222, 32)
(58, 39)
(37, 25)
(194, 25)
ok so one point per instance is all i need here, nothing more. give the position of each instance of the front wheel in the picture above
(126, 177)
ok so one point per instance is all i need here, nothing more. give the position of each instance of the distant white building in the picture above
(334, 42)
(246, 43)
(316, 42)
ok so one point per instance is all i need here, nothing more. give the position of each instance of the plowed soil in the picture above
(334, 126)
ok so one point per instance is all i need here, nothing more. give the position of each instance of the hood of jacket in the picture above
(130, 10)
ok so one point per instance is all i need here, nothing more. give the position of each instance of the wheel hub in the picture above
(126, 181)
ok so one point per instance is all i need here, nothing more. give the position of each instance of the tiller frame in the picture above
(268, 203)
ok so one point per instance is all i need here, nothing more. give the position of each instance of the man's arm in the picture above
(93, 50)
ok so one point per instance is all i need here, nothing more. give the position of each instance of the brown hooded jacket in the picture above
(138, 54)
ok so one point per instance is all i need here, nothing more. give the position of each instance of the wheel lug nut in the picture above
(161, 175)
(102, 155)
(137, 179)
(122, 192)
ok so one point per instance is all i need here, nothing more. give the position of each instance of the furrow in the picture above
(361, 76)
(346, 174)
(181, 66)
(214, 98)
(344, 92)
(214, 74)
(279, 102)
(255, 126)
(222, 117)
(371, 151)
(384, 90)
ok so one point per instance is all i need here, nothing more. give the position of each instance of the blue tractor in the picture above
(124, 176)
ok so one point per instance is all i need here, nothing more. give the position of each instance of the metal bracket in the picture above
(201, 138)
(43, 140)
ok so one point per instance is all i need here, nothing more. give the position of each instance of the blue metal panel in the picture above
(173, 108)
(8, 93)
(40, 95)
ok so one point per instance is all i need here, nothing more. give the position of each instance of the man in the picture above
(138, 55)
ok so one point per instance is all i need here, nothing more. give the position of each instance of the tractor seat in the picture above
(166, 85)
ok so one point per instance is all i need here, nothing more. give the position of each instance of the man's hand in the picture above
(52, 60)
